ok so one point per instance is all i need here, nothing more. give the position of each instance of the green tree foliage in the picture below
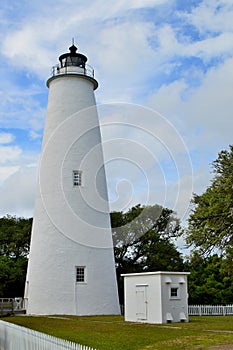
(209, 282)
(14, 248)
(143, 241)
(211, 222)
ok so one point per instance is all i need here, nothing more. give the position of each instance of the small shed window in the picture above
(174, 292)
(77, 178)
(81, 274)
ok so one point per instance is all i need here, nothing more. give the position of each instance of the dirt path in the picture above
(222, 347)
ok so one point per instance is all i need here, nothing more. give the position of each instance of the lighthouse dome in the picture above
(73, 58)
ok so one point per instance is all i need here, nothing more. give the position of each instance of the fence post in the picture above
(224, 310)
(199, 309)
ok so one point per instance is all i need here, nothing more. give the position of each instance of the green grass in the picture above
(113, 333)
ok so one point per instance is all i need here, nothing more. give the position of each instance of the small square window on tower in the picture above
(77, 178)
(81, 274)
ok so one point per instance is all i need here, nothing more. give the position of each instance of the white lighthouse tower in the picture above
(71, 264)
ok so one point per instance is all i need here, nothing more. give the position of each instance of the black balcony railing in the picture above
(88, 70)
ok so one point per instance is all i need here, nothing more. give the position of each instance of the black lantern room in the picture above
(73, 58)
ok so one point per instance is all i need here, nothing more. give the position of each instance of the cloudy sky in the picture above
(165, 96)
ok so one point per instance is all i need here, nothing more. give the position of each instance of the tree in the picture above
(15, 236)
(14, 248)
(209, 281)
(142, 240)
(211, 222)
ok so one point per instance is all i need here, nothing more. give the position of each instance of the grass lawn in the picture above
(113, 333)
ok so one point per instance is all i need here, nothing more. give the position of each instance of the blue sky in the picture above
(165, 73)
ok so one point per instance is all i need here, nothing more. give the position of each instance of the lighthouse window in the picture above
(77, 178)
(80, 274)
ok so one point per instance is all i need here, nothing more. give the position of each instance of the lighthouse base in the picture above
(67, 278)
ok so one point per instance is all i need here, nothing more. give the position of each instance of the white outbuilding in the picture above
(156, 297)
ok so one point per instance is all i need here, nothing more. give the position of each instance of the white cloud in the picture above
(17, 178)
(146, 158)
(34, 49)
(122, 5)
(212, 16)
(9, 153)
(34, 135)
(207, 49)
(35, 59)
(6, 171)
(6, 138)
(18, 193)
(20, 107)
(202, 114)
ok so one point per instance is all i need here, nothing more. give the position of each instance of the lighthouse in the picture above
(71, 268)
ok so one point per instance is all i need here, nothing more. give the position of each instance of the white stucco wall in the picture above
(71, 225)
(148, 299)
(150, 287)
(176, 307)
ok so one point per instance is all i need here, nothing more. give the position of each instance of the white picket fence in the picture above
(13, 337)
(210, 310)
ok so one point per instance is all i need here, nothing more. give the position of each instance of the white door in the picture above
(141, 302)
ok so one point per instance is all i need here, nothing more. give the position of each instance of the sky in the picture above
(165, 95)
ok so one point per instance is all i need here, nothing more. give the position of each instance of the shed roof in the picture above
(154, 273)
